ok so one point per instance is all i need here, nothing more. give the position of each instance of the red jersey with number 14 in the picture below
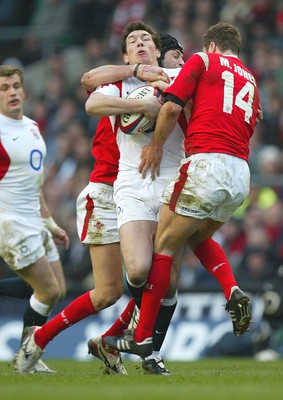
(225, 103)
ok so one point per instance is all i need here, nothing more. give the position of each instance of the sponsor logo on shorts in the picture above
(187, 209)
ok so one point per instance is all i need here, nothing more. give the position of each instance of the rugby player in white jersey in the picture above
(171, 56)
(137, 199)
(26, 226)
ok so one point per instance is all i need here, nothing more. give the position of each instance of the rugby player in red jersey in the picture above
(213, 179)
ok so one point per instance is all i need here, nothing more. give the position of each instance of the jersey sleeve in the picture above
(182, 88)
(111, 89)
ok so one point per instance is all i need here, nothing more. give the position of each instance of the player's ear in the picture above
(126, 58)
(158, 53)
(212, 47)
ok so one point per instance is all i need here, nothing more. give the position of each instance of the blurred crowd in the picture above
(56, 41)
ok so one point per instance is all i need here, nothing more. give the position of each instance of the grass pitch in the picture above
(213, 379)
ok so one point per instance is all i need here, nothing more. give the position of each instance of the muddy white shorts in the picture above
(24, 240)
(97, 215)
(138, 199)
(209, 185)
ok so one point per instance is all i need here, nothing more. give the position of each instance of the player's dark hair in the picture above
(9, 70)
(224, 35)
(139, 26)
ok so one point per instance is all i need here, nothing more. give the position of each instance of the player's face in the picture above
(173, 59)
(141, 49)
(11, 96)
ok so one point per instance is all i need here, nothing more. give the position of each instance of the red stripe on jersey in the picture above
(89, 211)
(5, 161)
(179, 185)
(105, 152)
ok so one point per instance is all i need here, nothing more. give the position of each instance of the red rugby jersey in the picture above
(225, 103)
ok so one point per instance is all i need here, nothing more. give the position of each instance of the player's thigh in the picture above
(106, 265)
(137, 246)
(21, 240)
(173, 230)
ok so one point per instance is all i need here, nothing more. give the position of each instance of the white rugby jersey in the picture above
(22, 152)
(130, 146)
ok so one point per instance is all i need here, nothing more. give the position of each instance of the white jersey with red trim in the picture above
(130, 146)
(22, 152)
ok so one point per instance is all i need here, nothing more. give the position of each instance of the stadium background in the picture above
(56, 41)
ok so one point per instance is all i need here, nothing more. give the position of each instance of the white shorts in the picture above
(97, 215)
(138, 199)
(209, 185)
(24, 240)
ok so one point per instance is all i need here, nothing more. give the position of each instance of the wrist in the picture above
(136, 70)
(50, 224)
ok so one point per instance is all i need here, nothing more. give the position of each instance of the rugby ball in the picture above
(135, 124)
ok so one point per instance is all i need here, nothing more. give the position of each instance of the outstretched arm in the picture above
(113, 73)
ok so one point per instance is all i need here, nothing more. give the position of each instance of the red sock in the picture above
(155, 288)
(122, 321)
(213, 258)
(79, 309)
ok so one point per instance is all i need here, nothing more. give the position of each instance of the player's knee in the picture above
(106, 297)
(138, 276)
(53, 294)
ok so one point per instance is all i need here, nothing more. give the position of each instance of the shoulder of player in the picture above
(17, 122)
(198, 60)
(209, 59)
(172, 72)
(28, 120)
(33, 126)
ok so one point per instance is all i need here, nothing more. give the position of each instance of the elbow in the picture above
(84, 80)
(92, 108)
(87, 82)
(89, 109)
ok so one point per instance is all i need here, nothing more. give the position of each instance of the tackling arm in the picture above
(151, 155)
(113, 73)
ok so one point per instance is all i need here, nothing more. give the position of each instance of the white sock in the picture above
(232, 290)
(40, 308)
